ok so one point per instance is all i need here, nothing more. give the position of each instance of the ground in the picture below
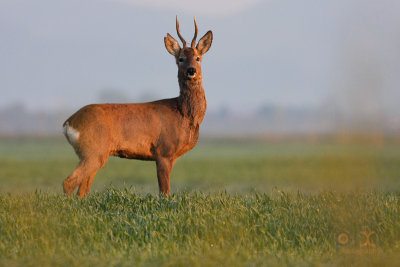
(234, 201)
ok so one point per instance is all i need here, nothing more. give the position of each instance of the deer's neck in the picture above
(192, 100)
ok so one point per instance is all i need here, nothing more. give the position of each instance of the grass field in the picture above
(234, 202)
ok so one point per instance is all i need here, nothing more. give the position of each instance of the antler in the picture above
(195, 33)
(179, 34)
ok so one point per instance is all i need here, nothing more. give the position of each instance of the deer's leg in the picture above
(71, 182)
(164, 167)
(85, 171)
(89, 183)
(84, 187)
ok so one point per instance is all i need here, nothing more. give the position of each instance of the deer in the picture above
(159, 131)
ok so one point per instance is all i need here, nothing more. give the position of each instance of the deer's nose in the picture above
(191, 71)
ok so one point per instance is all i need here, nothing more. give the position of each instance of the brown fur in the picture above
(160, 131)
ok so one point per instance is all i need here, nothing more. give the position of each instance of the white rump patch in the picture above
(71, 134)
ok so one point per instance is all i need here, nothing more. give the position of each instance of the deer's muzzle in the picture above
(191, 72)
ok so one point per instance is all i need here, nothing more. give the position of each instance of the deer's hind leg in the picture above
(84, 187)
(83, 175)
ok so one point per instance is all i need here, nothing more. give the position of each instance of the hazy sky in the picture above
(293, 53)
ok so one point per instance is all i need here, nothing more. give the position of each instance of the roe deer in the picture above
(160, 131)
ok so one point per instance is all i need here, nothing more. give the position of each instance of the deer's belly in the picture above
(127, 154)
(135, 149)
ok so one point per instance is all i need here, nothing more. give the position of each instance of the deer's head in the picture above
(188, 59)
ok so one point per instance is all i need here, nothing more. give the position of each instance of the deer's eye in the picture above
(198, 58)
(181, 59)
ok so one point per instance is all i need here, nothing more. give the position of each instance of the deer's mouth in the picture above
(191, 73)
(190, 76)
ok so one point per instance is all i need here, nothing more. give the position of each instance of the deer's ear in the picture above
(205, 43)
(172, 45)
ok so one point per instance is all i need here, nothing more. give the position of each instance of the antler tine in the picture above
(195, 33)
(179, 34)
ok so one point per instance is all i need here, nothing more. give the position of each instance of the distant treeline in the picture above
(266, 120)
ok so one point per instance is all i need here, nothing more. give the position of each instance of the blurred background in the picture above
(302, 95)
(275, 67)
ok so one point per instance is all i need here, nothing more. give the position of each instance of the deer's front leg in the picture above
(164, 167)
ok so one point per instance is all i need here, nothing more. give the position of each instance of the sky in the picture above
(291, 53)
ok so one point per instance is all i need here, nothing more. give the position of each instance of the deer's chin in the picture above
(191, 77)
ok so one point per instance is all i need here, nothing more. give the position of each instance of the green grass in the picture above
(239, 203)
(212, 166)
(122, 227)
